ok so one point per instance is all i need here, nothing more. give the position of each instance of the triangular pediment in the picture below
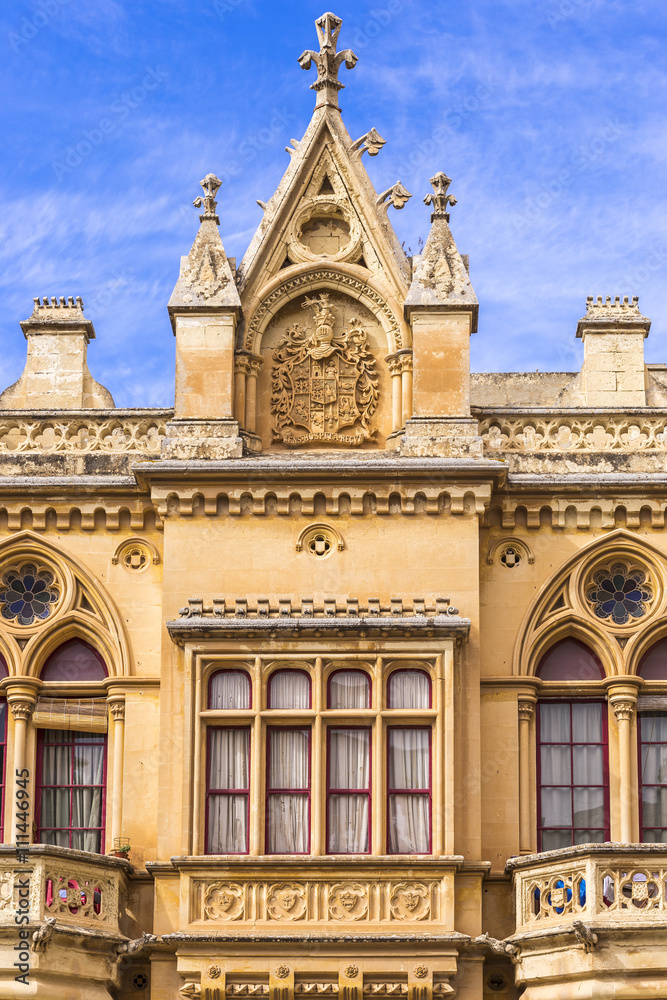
(325, 211)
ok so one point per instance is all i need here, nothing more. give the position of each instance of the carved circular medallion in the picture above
(282, 971)
(496, 982)
(421, 971)
(140, 981)
(510, 557)
(320, 540)
(214, 971)
(323, 229)
(29, 593)
(619, 593)
(351, 971)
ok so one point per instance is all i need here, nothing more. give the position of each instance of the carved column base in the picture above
(440, 437)
(202, 439)
(252, 443)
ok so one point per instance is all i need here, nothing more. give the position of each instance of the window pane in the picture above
(348, 758)
(409, 758)
(654, 806)
(409, 825)
(288, 824)
(555, 723)
(87, 840)
(229, 751)
(289, 758)
(74, 661)
(556, 807)
(55, 809)
(570, 661)
(588, 807)
(409, 689)
(653, 727)
(289, 689)
(229, 689)
(587, 765)
(227, 824)
(56, 764)
(555, 765)
(589, 837)
(554, 840)
(72, 764)
(586, 723)
(655, 836)
(349, 689)
(348, 824)
(88, 766)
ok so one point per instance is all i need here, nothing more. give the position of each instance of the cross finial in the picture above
(210, 184)
(327, 60)
(440, 200)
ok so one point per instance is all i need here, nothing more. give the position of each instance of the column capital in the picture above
(116, 705)
(526, 709)
(241, 364)
(623, 708)
(255, 362)
(21, 709)
(21, 694)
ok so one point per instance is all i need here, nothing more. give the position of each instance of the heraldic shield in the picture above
(324, 384)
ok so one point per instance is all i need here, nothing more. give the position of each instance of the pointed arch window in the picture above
(572, 754)
(74, 661)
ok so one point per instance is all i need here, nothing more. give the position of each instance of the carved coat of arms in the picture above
(324, 383)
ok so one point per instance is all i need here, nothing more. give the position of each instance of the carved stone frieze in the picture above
(568, 433)
(247, 989)
(287, 901)
(410, 901)
(224, 901)
(82, 435)
(324, 382)
(348, 901)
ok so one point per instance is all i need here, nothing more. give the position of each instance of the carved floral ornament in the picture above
(324, 381)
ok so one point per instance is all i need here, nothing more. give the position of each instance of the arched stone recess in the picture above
(81, 608)
(565, 606)
(304, 307)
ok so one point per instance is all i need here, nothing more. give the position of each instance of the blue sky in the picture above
(549, 117)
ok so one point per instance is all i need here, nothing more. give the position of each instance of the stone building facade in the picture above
(363, 656)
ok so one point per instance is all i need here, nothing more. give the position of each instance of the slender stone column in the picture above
(117, 709)
(21, 699)
(406, 384)
(241, 369)
(394, 365)
(526, 714)
(624, 705)
(254, 364)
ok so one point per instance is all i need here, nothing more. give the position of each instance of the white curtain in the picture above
(71, 815)
(289, 689)
(229, 689)
(349, 760)
(229, 751)
(572, 774)
(409, 814)
(349, 689)
(409, 689)
(288, 812)
(654, 776)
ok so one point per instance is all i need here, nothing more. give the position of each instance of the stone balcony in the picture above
(599, 912)
(76, 905)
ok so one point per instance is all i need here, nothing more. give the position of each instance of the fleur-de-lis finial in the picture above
(440, 200)
(210, 184)
(327, 60)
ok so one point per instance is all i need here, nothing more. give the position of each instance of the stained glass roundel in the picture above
(27, 594)
(619, 594)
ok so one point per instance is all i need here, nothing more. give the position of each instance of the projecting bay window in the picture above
(322, 757)
(71, 787)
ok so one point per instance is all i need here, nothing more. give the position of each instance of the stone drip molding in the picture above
(111, 432)
(289, 500)
(567, 432)
(263, 608)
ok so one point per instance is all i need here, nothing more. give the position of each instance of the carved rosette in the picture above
(348, 901)
(224, 901)
(286, 901)
(324, 382)
(410, 901)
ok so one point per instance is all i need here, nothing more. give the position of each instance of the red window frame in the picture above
(410, 670)
(72, 743)
(413, 791)
(230, 670)
(227, 791)
(351, 791)
(349, 670)
(288, 791)
(605, 765)
(4, 709)
(290, 670)
(642, 784)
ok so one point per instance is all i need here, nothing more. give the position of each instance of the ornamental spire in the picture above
(327, 61)
(440, 200)
(210, 184)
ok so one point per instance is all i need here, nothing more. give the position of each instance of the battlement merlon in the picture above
(605, 315)
(58, 315)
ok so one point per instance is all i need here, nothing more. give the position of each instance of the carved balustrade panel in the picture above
(568, 433)
(355, 902)
(81, 435)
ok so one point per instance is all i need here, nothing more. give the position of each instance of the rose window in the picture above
(619, 594)
(27, 594)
